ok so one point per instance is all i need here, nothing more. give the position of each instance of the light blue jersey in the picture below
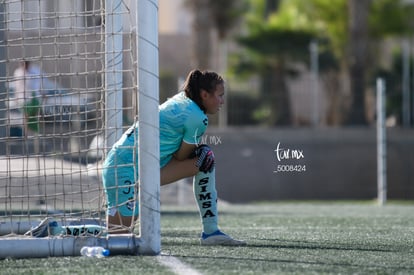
(181, 119)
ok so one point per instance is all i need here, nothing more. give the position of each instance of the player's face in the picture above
(212, 102)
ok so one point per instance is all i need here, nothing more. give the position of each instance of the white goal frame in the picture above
(148, 242)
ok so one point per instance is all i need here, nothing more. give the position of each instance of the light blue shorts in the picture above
(119, 176)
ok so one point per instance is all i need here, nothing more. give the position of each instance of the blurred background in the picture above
(300, 115)
(294, 63)
(301, 75)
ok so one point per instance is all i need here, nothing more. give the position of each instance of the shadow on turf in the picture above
(188, 238)
(287, 244)
(297, 245)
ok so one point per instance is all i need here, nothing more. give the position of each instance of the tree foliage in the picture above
(226, 15)
(391, 18)
(276, 39)
(275, 42)
(210, 15)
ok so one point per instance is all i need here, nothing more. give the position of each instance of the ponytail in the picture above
(201, 80)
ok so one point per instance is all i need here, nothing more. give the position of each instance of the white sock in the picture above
(204, 186)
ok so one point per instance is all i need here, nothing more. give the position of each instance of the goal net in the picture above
(71, 81)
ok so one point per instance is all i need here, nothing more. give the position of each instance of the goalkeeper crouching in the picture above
(183, 121)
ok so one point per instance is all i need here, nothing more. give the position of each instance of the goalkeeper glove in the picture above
(205, 162)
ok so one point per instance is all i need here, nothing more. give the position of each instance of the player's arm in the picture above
(193, 129)
(181, 166)
(185, 151)
(202, 154)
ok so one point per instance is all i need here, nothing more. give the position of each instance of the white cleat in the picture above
(219, 238)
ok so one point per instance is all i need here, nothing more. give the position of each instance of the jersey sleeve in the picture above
(194, 128)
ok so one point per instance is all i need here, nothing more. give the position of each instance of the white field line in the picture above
(176, 266)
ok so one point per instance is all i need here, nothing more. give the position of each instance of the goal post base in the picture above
(26, 247)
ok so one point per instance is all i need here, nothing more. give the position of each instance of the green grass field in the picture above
(283, 238)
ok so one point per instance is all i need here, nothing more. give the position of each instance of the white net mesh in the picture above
(52, 113)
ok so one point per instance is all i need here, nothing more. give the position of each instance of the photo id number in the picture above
(290, 168)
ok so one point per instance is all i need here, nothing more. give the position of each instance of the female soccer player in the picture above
(183, 121)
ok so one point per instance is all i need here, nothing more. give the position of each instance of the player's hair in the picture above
(201, 80)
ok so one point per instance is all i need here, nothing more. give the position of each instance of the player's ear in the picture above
(204, 94)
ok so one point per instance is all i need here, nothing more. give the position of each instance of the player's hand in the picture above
(205, 162)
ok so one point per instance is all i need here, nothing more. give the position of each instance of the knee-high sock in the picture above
(204, 186)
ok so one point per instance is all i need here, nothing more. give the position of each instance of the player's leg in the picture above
(205, 194)
(122, 208)
(204, 186)
(118, 224)
(119, 176)
(176, 170)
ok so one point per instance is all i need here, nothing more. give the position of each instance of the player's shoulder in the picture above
(195, 116)
(181, 98)
(194, 111)
(184, 104)
(184, 107)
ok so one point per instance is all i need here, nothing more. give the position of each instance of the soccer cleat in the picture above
(219, 238)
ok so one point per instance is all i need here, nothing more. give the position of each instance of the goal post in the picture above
(149, 148)
(96, 64)
(113, 71)
(381, 143)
